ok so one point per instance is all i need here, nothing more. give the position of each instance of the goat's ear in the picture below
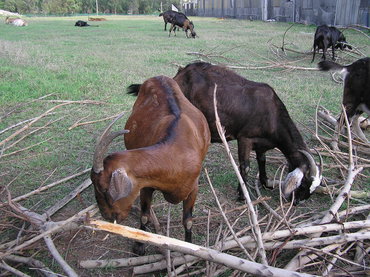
(120, 185)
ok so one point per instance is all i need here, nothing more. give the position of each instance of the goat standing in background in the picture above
(167, 142)
(326, 37)
(253, 114)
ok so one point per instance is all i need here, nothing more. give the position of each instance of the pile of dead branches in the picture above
(278, 240)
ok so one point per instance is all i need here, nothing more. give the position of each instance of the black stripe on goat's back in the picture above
(157, 111)
(173, 105)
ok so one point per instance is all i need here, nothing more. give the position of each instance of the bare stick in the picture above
(19, 123)
(168, 252)
(121, 262)
(279, 234)
(77, 124)
(12, 270)
(192, 249)
(282, 46)
(30, 123)
(53, 250)
(24, 149)
(48, 232)
(225, 218)
(61, 203)
(251, 211)
(32, 263)
(22, 197)
(352, 172)
(184, 260)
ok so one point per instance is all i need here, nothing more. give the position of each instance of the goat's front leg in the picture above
(244, 151)
(261, 160)
(187, 216)
(146, 195)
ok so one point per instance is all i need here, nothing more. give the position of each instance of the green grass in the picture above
(53, 58)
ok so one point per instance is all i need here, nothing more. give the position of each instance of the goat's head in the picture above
(111, 182)
(342, 43)
(303, 180)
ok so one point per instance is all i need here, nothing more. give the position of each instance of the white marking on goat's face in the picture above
(292, 182)
(316, 180)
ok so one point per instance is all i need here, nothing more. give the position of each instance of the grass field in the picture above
(50, 62)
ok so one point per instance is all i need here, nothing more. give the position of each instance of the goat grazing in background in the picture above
(253, 114)
(356, 92)
(180, 20)
(326, 37)
(167, 142)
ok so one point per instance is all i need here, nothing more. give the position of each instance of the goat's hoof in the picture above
(139, 249)
(241, 198)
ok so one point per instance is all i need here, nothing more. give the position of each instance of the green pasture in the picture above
(51, 61)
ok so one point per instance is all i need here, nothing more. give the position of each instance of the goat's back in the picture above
(161, 113)
(245, 107)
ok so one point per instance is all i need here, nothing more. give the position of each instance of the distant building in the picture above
(332, 12)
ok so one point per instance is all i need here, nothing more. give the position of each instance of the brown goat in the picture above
(167, 141)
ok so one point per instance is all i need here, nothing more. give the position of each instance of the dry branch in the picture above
(28, 125)
(124, 262)
(296, 263)
(195, 250)
(49, 231)
(53, 250)
(226, 220)
(300, 231)
(13, 270)
(35, 264)
(78, 123)
(252, 213)
(41, 189)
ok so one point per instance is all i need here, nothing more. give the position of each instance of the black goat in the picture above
(326, 37)
(253, 114)
(356, 92)
(81, 23)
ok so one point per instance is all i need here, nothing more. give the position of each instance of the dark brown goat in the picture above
(180, 20)
(326, 37)
(167, 141)
(356, 92)
(253, 114)
(168, 17)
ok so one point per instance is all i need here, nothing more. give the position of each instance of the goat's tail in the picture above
(161, 14)
(328, 65)
(134, 89)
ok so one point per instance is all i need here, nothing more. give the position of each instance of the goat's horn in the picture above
(313, 166)
(103, 143)
(315, 174)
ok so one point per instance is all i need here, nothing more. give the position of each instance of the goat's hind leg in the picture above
(146, 195)
(187, 217)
